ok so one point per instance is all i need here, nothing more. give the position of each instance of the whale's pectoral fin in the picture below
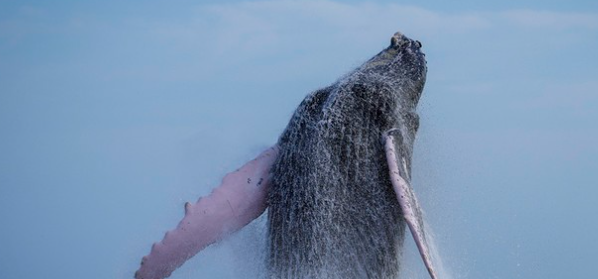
(235, 203)
(406, 196)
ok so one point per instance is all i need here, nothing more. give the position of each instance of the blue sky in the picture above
(112, 115)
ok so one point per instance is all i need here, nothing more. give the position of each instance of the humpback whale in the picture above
(336, 185)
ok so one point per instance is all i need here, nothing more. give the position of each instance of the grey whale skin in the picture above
(336, 183)
(332, 209)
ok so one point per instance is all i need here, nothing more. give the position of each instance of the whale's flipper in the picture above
(409, 205)
(237, 201)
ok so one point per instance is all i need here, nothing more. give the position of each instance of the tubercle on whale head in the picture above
(402, 65)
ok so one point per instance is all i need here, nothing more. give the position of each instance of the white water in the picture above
(441, 270)
(412, 265)
(244, 254)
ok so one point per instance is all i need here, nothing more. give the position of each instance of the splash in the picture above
(441, 269)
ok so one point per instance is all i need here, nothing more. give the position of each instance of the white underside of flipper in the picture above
(409, 205)
(236, 202)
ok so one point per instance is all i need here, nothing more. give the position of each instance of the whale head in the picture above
(403, 66)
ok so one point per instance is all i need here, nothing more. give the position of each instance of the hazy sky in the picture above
(112, 115)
